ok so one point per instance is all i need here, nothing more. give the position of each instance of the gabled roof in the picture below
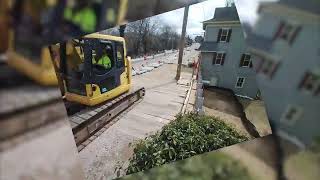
(208, 46)
(223, 14)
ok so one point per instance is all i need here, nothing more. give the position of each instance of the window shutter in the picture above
(302, 82)
(274, 69)
(241, 60)
(219, 34)
(280, 27)
(223, 57)
(294, 35)
(250, 64)
(229, 35)
(214, 58)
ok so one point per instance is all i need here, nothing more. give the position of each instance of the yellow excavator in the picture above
(94, 93)
(38, 68)
(85, 82)
(41, 70)
(21, 51)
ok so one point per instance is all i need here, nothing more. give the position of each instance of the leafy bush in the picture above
(184, 137)
(208, 166)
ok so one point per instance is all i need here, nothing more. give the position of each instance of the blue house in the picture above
(225, 61)
(285, 43)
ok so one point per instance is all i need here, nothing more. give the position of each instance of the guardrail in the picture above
(153, 56)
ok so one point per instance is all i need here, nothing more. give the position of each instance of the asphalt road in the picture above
(189, 54)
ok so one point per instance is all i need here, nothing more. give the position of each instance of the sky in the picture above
(197, 14)
(247, 10)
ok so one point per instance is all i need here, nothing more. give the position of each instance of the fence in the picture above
(167, 52)
(199, 99)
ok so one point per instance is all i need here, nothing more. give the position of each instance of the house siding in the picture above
(272, 22)
(211, 34)
(282, 90)
(227, 74)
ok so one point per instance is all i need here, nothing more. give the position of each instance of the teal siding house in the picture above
(225, 61)
(285, 43)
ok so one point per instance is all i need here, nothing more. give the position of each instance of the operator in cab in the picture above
(104, 60)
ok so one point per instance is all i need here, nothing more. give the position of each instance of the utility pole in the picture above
(171, 43)
(182, 41)
(122, 29)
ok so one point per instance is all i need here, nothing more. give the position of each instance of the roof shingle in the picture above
(224, 14)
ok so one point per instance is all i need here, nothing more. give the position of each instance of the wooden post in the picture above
(122, 30)
(182, 41)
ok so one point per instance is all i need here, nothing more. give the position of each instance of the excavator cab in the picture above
(24, 51)
(85, 80)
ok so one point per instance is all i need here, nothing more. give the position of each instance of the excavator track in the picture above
(90, 120)
(25, 106)
(23, 97)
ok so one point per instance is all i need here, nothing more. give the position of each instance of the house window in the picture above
(246, 61)
(267, 67)
(224, 35)
(311, 83)
(287, 32)
(240, 82)
(291, 114)
(218, 58)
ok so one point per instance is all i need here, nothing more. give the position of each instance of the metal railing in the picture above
(199, 99)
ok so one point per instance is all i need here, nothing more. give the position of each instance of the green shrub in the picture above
(184, 137)
(208, 166)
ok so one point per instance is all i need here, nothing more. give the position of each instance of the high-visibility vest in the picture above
(104, 61)
(85, 18)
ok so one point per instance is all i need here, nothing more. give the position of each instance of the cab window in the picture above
(120, 55)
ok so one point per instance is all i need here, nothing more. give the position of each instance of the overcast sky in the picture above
(247, 10)
(197, 14)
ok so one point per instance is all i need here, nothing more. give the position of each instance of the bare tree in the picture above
(169, 38)
(135, 31)
(147, 36)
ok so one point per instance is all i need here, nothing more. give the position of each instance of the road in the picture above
(189, 54)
